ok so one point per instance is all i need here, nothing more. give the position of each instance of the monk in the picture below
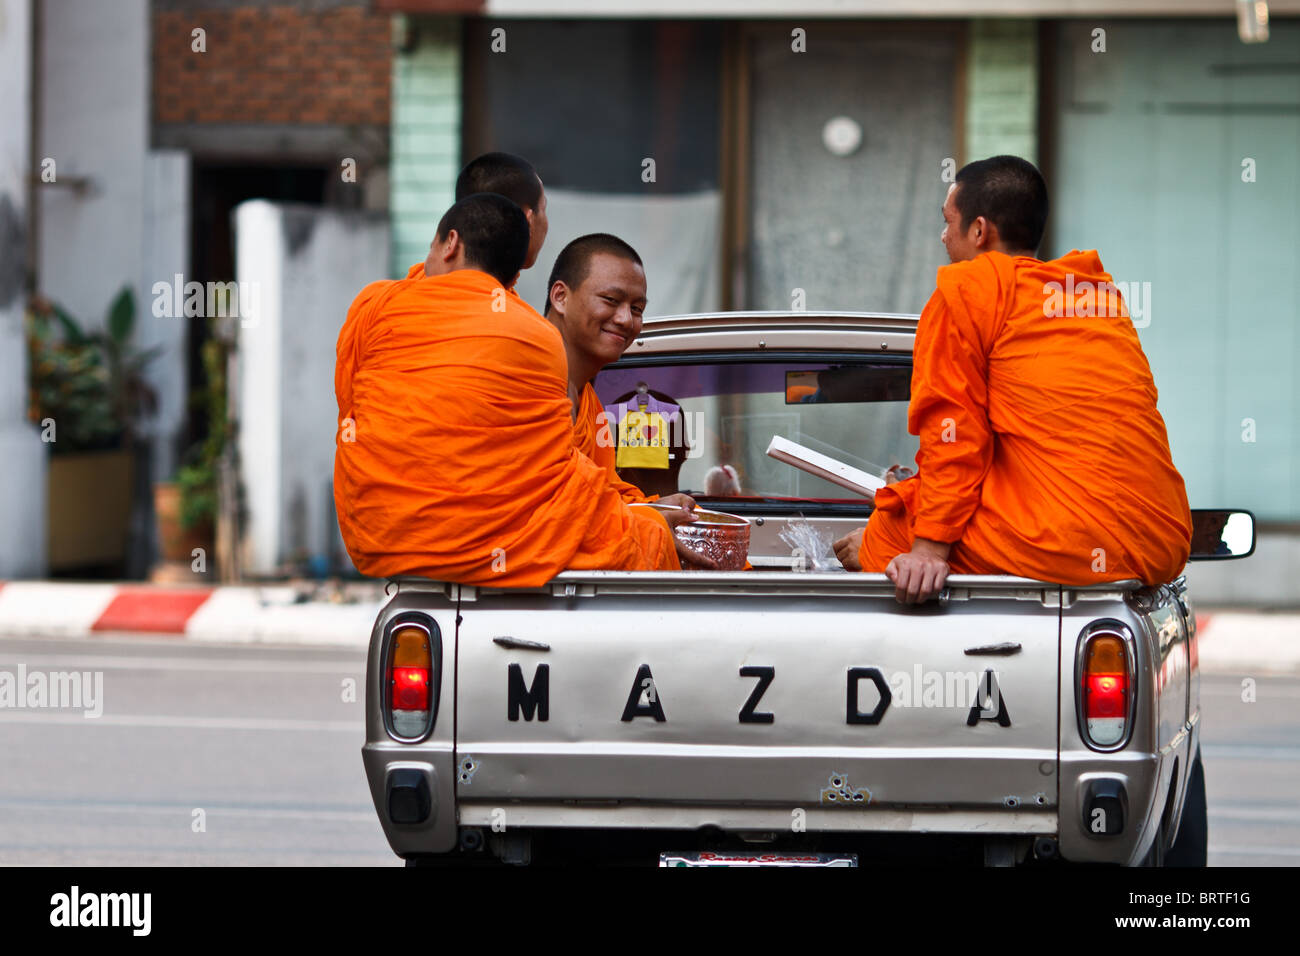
(505, 175)
(515, 178)
(596, 298)
(1042, 453)
(455, 456)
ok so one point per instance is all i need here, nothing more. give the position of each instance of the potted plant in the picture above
(186, 508)
(88, 394)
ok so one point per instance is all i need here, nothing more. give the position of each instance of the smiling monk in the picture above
(455, 456)
(1042, 452)
(596, 297)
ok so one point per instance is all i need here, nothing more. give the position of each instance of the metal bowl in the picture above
(714, 535)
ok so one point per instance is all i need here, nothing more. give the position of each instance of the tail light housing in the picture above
(412, 664)
(1106, 685)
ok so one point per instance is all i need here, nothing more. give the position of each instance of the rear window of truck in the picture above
(727, 411)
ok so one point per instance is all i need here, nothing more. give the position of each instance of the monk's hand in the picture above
(847, 548)
(684, 513)
(679, 500)
(897, 473)
(919, 574)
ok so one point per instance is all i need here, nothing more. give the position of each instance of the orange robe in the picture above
(454, 458)
(591, 436)
(1042, 452)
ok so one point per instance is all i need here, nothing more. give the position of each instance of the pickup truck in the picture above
(789, 713)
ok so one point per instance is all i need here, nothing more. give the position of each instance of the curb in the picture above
(241, 615)
(1244, 641)
(1229, 641)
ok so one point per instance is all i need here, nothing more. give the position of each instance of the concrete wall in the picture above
(22, 477)
(115, 214)
(166, 254)
(1268, 578)
(1177, 155)
(94, 125)
(425, 137)
(677, 238)
(304, 265)
(858, 231)
(1002, 89)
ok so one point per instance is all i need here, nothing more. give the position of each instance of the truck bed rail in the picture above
(960, 587)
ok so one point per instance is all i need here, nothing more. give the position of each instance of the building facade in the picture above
(759, 153)
(1169, 145)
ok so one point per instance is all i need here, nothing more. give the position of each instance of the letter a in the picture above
(634, 708)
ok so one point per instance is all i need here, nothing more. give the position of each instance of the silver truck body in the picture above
(780, 705)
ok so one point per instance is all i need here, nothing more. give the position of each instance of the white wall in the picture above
(166, 254)
(94, 124)
(308, 264)
(677, 237)
(1268, 578)
(116, 214)
(23, 455)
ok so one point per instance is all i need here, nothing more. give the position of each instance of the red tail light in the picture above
(410, 670)
(410, 688)
(1105, 690)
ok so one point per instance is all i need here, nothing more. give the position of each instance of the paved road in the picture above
(1252, 770)
(262, 741)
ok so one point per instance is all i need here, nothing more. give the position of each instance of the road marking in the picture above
(82, 662)
(1264, 690)
(270, 813)
(1278, 815)
(1221, 752)
(1255, 850)
(177, 722)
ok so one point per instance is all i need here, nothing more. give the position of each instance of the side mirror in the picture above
(1219, 535)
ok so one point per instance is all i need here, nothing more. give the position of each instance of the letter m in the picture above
(65, 688)
(116, 909)
(534, 700)
(223, 299)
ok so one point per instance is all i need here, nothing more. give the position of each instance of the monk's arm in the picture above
(949, 412)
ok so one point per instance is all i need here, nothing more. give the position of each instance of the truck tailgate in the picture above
(814, 690)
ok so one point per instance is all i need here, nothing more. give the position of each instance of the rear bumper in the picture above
(392, 770)
(732, 819)
(401, 777)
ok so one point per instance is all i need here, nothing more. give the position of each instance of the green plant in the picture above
(130, 395)
(198, 484)
(198, 477)
(90, 386)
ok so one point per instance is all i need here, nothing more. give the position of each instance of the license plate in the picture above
(721, 858)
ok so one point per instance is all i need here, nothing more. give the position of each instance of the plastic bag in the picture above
(811, 548)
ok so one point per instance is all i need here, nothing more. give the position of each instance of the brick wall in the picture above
(272, 64)
(1002, 89)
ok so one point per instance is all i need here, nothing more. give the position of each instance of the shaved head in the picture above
(492, 231)
(515, 178)
(504, 174)
(573, 265)
(596, 298)
(1010, 193)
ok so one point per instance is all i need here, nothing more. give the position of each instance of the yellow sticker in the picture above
(642, 441)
